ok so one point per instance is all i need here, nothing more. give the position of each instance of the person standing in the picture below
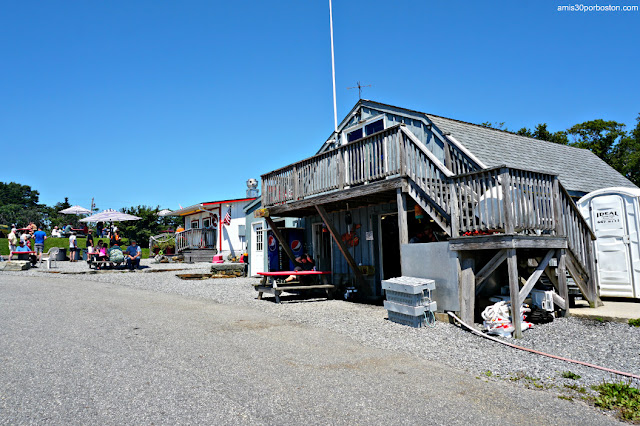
(89, 245)
(39, 237)
(73, 247)
(13, 241)
(99, 227)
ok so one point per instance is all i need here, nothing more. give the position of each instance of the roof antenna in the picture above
(359, 87)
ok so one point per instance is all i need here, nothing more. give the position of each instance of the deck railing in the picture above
(514, 201)
(196, 239)
(391, 152)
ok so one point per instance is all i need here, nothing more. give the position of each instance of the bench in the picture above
(270, 285)
(98, 263)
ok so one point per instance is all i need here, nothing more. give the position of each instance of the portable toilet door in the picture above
(613, 214)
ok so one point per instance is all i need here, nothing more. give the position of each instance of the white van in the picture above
(614, 216)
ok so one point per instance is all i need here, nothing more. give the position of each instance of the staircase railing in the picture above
(196, 238)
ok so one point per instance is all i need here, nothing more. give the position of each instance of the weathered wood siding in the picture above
(366, 252)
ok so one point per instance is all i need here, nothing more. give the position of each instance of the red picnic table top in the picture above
(23, 252)
(282, 273)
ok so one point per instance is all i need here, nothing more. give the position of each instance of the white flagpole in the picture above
(333, 71)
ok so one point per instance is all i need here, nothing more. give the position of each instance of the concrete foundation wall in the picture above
(435, 261)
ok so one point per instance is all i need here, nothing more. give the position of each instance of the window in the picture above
(206, 222)
(374, 127)
(355, 135)
(366, 128)
(195, 224)
(259, 238)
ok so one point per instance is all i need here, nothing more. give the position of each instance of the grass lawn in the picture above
(64, 243)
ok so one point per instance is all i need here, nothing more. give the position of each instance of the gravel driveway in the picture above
(608, 344)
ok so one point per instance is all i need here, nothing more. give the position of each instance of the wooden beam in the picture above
(466, 293)
(501, 241)
(281, 239)
(337, 196)
(562, 303)
(533, 279)
(343, 249)
(514, 287)
(488, 269)
(403, 228)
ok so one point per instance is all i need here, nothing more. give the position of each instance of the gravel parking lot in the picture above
(607, 344)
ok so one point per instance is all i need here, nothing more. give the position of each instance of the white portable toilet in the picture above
(614, 216)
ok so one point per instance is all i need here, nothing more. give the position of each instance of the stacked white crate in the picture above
(408, 298)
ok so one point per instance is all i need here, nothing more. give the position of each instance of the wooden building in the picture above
(501, 205)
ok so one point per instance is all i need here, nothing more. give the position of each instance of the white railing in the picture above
(196, 239)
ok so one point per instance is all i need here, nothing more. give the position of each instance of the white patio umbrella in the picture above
(164, 212)
(75, 210)
(110, 215)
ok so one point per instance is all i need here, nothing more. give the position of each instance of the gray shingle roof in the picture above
(578, 169)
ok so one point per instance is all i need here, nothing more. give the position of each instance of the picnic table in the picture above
(269, 283)
(25, 255)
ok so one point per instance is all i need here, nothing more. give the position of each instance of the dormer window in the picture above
(366, 128)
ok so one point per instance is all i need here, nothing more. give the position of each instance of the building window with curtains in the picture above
(206, 222)
(195, 224)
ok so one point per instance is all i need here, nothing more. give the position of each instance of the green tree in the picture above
(541, 132)
(598, 136)
(625, 156)
(19, 204)
(150, 224)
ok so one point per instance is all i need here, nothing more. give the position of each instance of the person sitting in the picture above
(67, 230)
(133, 255)
(180, 229)
(56, 232)
(24, 249)
(116, 257)
(304, 263)
(101, 253)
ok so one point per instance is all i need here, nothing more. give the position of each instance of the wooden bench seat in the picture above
(96, 263)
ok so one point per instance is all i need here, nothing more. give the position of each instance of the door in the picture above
(609, 220)
(390, 246)
(256, 258)
(322, 247)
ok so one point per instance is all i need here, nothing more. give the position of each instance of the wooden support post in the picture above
(280, 238)
(507, 205)
(403, 230)
(467, 291)
(593, 276)
(557, 208)
(341, 169)
(454, 213)
(563, 289)
(343, 249)
(514, 293)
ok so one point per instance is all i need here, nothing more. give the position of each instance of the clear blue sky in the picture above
(166, 103)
